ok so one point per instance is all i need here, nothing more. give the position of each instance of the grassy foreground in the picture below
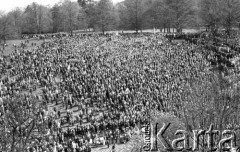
(10, 48)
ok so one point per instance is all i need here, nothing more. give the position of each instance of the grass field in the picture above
(10, 48)
(144, 31)
(60, 107)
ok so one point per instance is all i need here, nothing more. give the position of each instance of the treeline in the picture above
(103, 15)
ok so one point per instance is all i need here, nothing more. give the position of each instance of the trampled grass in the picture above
(10, 48)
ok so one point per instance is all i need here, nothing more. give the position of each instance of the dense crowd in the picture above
(222, 48)
(95, 85)
(43, 36)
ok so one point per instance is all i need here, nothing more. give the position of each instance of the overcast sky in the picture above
(8, 5)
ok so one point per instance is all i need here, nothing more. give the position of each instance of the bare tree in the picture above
(162, 15)
(84, 3)
(31, 20)
(56, 18)
(44, 19)
(134, 11)
(182, 11)
(70, 11)
(211, 13)
(105, 17)
(5, 29)
(35, 13)
(37, 19)
(231, 14)
(19, 122)
(82, 20)
(16, 17)
(123, 23)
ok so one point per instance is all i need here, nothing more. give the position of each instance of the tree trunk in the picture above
(178, 30)
(4, 42)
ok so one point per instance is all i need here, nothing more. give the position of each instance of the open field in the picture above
(133, 76)
(144, 31)
(179, 64)
(10, 48)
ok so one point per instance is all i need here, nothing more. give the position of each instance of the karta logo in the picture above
(200, 138)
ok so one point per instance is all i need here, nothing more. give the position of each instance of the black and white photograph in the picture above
(119, 75)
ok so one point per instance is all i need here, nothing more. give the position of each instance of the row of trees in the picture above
(220, 13)
(136, 15)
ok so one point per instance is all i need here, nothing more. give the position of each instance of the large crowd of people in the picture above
(95, 84)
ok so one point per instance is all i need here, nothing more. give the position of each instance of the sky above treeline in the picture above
(8, 5)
